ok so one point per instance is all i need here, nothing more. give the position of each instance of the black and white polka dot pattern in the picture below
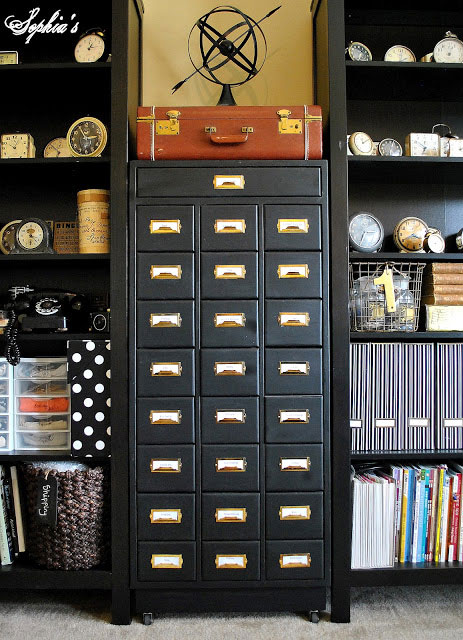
(89, 375)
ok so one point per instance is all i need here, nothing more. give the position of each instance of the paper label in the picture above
(229, 320)
(229, 271)
(166, 466)
(293, 562)
(165, 226)
(453, 422)
(166, 271)
(167, 561)
(229, 368)
(293, 319)
(165, 320)
(228, 182)
(158, 516)
(288, 415)
(230, 464)
(293, 271)
(231, 562)
(293, 225)
(166, 368)
(165, 417)
(230, 515)
(230, 226)
(295, 513)
(440, 318)
(355, 424)
(238, 415)
(418, 422)
(384, 424)
(294, 368)
(295, 464)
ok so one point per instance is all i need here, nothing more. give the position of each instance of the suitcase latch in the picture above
(169, 127)
(287, 124)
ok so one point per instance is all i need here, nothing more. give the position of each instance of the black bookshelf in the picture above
(47, 188)
(385, 100)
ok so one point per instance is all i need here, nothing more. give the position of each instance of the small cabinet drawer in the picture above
(231, 561)
(167, 372)
(293, 371)
(229, 372)
(165, 420)
(228, 516)
(165, 324)
(159, 181)
(229, 419)
(231, 323)
(297, 516)
(229, 276)
(293, 323)
(294, 560)
(165, 276)
(230, 468)
(291, 419)
(228, 228)
(292, 227)
(165, 228)
(298, 273)
(164, 516)
(167, 469)
(294, 467)
(166, 561)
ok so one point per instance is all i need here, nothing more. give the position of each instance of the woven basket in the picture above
(81, 539)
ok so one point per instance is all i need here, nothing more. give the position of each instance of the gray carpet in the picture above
(400, 613)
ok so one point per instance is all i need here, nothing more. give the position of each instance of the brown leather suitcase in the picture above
(229, 133)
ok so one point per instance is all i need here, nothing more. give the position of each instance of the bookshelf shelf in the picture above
(356, 256)
(437, 455)
(23, 574)
(405, 336)
(408, 574)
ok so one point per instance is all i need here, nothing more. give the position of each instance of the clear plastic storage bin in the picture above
(6, 406)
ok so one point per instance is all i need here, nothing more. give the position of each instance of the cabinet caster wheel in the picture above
(148, 619)
(314, 616)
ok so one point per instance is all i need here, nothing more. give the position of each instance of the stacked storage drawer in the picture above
(6, 405)
(230, 369)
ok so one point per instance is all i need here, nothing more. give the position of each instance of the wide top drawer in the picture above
(232, 181)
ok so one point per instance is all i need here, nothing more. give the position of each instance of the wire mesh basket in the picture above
(389, 305)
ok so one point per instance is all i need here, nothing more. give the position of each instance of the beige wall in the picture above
(285, 79)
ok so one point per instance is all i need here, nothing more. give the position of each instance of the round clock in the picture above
(87, 137)
(409, 234)
(389, 147)
(459, 240)
(434, 241)
(361, 144)
(57, 148)
(449, 49)
(366, 233)
(33, 236)
(91, 46)
(399, 53)
(8, 236)
(359, 52)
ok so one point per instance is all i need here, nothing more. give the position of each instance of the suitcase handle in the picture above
(234, 138)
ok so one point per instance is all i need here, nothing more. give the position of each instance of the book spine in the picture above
(431, 514)
(445, 520)
(411, 501)
(439, 514)
(443, 278)
(18, 509)
(8, 492)
(460, 527)
(443, 299)
(424, 526)
(455, 518)
(447, 267)
(403, 522)
(5, 557)
(417, 518)
(443, 289)
(398, 510)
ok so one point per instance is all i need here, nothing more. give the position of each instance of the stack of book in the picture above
(407, 513)
(443, 296)
(12, 541)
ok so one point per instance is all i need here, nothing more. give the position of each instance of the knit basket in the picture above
(81, 538)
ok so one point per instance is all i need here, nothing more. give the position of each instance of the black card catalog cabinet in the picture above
(229, 387)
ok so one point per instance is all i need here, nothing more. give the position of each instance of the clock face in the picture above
(15, 145)
(29, 235)
(360, 143)
(399, 53)
(409, 234)
(359, 52)
(87, 137)
(57, 148)
(366, 232)
(455, 148)
(389, 147)
(435, 243)
(424, 144)
(8, 236)
(449, 49)
(90, 48)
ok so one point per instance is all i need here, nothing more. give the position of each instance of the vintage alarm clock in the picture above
(9, 57)
(459, 240)
(409, 234)
(91, 46)
(449, 49)
(455, 148)
(87, 137)
(434, 241)
(359, 52)
(33, 236)
(422, 144)
(57, 148)
(399, 53)
(361, 144)
(8, 236)
(389, 147)
(17, 145)
(366, 233)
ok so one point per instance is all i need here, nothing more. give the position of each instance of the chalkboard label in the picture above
(47, 501)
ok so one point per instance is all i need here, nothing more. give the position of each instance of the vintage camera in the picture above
(99, 321)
